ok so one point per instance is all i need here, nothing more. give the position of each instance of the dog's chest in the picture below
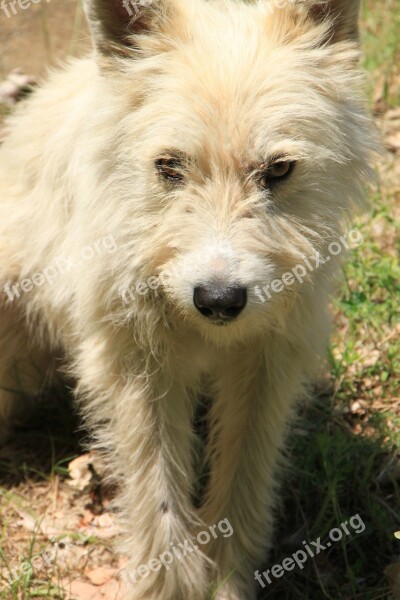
(198, 359)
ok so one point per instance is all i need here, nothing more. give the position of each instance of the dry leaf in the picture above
(38, 525)
(393, 142)
(80, 590)
(101, 575)
(80, 471)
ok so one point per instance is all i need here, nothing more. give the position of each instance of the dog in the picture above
(148, 193)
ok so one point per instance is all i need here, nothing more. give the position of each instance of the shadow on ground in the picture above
(44, 444)
(333, 475)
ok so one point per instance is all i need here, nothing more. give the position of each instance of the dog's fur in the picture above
(230, 85)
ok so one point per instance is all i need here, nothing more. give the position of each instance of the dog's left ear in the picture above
(116, 23)
(344, 15)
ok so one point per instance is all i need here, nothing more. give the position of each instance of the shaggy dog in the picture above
(147, 194)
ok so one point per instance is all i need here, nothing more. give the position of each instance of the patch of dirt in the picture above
(41, 36)
(62, 531)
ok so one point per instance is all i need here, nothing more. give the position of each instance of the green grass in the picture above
(381, 32)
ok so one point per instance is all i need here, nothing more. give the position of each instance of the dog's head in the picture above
(242, 150)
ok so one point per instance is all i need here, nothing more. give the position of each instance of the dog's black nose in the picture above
(220, 303)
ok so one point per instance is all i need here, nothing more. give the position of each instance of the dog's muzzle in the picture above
(220, 304)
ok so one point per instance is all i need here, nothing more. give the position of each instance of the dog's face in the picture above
(248, 146)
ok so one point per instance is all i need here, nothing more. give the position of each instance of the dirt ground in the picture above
(42, 36)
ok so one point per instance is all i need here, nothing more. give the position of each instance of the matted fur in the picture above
(230, 85)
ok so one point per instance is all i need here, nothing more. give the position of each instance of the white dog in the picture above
(203, 153)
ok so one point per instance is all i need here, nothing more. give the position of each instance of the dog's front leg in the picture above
(252, 404)
(144, 420)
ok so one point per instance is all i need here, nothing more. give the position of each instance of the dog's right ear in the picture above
(117, 24)
(344, 15)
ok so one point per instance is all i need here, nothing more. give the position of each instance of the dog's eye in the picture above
(276, 172)
(170, 169)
